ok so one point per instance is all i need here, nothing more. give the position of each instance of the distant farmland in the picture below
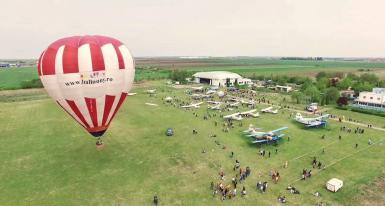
(160, 68)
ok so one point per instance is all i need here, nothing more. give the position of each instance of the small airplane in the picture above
(197, 88)
(214, 102)
(168, 99)
(235, 104)
(251, 113)
(214, 88)
(196, 96)
(221, 94)
(211, 92)
(235, 116)
(131, 94)
(233, 99)
(312, 122)
(215, 107)
(196, 105)
(151, 104)
(270, 110)
(200, 96)
(151, 91)
(251, 129)
(265, 137)
(249, 102)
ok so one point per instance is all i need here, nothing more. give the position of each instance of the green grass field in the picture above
(48, 159)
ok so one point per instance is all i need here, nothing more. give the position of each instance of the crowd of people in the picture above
(229, 191)
(226, 189)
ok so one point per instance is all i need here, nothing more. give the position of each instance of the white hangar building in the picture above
(220, 78)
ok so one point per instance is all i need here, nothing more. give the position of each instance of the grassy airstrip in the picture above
(48, 159)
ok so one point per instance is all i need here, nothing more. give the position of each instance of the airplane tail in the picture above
(298, 116)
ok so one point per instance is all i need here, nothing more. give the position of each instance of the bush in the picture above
(180, 76)
(364, 111)
(34, 83)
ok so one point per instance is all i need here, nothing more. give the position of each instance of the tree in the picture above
(362, 86)
(322, 83)
(307, 82)
(313, 93)
(371, 78)
(297, 96)
(331, 95)
(179, 75)
(345, 83)
(342, 101)
(321, 75)
(281, 79)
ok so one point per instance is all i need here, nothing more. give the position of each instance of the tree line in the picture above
(326, 86)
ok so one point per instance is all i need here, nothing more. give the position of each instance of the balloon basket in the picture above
(99, 147)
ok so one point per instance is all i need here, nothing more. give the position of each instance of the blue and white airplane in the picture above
(320, 121)
(265, 137)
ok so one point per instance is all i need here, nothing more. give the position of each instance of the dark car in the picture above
(169, 132)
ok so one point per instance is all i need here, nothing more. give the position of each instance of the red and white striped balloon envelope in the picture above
(89, 77)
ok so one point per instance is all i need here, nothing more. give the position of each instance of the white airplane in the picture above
(265, 137)
(233, 99)
(151, 91)
(251, 113)
(214, 88)
(168, 99)
(221, 93)
(235, 116)
(196, 105)
(215, 107)
(197, 88)
(211, 92)
(214, 102)
(131, 94)
(251, 129)
(249, 102)
(196, 96)
(269, 110)
(235, 104)
(150, 104)
(312, 122)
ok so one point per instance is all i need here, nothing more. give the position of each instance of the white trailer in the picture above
(334, 184)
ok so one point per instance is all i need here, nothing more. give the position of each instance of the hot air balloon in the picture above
(89, 77)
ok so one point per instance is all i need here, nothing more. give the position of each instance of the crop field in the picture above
(48, 159)
(160, 68)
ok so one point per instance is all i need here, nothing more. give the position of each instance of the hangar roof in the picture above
(217, 75)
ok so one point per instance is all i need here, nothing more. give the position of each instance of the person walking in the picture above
(156, 200)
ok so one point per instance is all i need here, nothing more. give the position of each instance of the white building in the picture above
(283, 88)
(371, 100)
(220, 78)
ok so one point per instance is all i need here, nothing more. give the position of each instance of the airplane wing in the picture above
(259, 141)
(234, 116)
(262, 141)
(323, 117)
(248, 112)
(267, 109)
(150, 104)
(279, 129)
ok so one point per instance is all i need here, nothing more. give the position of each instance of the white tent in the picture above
(334, 184)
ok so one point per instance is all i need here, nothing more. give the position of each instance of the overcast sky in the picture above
(343, 28)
